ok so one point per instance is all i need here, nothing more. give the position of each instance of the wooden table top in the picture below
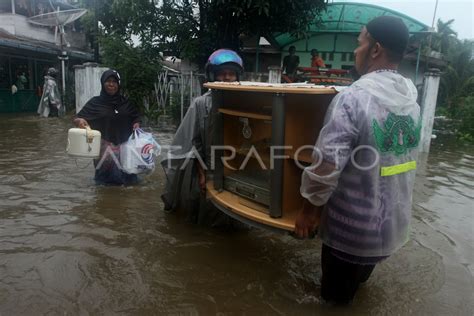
(272, 87)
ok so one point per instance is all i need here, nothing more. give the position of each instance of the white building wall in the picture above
(87, 79)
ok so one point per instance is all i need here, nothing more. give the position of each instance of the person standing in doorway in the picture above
(291, 62)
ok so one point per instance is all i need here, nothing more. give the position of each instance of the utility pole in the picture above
(96, 32)
(431, 36)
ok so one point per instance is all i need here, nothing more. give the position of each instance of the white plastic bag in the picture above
(138, 154)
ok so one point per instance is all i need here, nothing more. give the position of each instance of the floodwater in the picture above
(68, 247)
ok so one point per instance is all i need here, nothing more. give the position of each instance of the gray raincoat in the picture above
(371, 136)
(51, 99)
(190, 146)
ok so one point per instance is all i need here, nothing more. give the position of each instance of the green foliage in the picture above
(442, 111)
(456, 91)
(175, 102)
(132, 33)
(445, 37)
(113, 24)
(457, 80)
(153, 113)
(193, 29)
(137, 67)
(466, 138)
(175, 106)
(466, 118)
(123, 18)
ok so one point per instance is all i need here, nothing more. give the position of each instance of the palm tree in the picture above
(445, 36)
(457, 81)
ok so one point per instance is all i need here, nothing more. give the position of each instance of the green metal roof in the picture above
(349, 17)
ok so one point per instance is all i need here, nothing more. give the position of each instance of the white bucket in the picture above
(83, 143)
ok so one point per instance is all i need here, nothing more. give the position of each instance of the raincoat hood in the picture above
(391, 90)
(47, 77)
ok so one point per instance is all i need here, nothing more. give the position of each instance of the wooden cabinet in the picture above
(264, 137)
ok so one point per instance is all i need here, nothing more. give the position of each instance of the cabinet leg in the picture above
(278, 139)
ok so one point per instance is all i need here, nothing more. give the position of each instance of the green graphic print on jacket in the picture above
(398, 135)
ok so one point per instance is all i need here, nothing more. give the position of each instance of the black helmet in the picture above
(223, 58)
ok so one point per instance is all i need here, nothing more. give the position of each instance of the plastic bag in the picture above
(138, 154)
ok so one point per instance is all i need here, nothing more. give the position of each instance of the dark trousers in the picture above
(341, 278)
(53, 111)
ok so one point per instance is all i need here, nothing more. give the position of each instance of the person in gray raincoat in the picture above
(50, 103)
(183, 166)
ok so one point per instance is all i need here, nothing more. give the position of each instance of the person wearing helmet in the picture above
(185, 163)
(224, 65)
(50, 103)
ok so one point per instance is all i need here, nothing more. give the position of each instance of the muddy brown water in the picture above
(69, 247)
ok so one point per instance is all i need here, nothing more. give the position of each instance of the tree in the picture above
(138, 68)
(456, 81)
(456, 94)
(186, 28)
(445, 37)
(193, 29)
(125, 31)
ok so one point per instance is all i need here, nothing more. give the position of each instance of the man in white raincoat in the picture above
(363, 173)
(186, 177)
(50, 103)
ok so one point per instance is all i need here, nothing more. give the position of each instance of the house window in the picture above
(331, 56)
(343, 56)
(351, 57)
(6, 7)
(23, 7)
(41, 7)
(21, 73)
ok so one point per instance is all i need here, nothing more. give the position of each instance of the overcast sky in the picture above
(462, 11)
